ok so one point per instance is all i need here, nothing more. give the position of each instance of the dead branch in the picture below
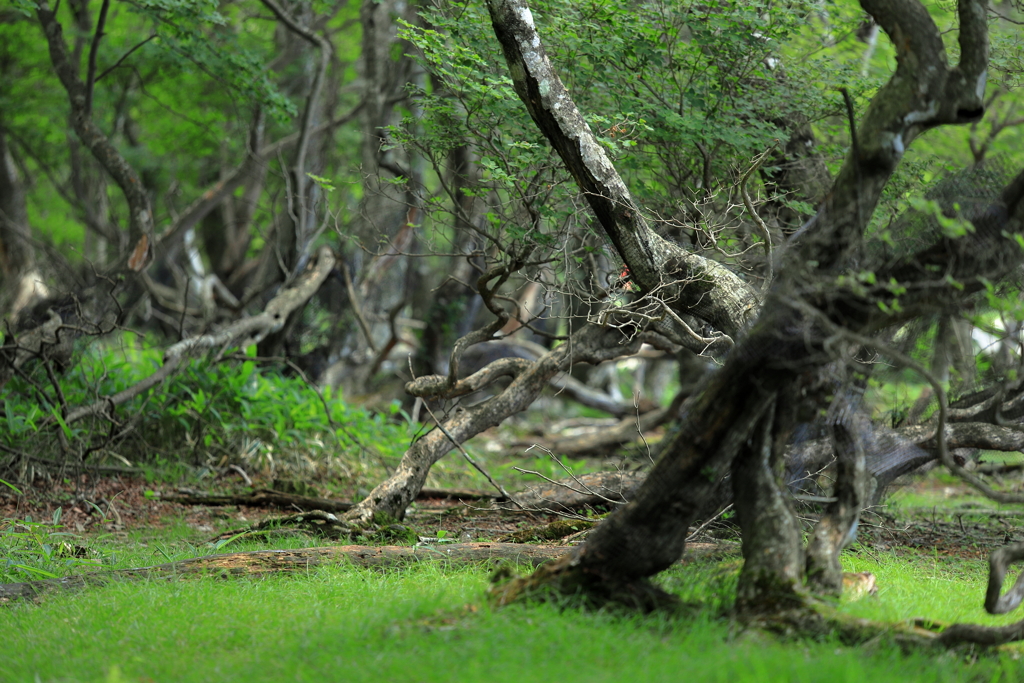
(598, 489)
(762, 228)
(624, 431)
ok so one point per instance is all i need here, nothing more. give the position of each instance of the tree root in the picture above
(562, 580)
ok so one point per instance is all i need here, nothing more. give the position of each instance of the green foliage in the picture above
(194, 32)
(31, 550)
(229, 410)
(680, 95)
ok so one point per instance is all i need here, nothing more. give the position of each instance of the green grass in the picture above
(31, 551)
(428, 623)
(920, 585)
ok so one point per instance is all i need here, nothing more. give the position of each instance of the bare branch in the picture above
(270, 320)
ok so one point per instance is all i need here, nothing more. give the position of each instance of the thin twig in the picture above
(125, 56)
(90, 78)
(639, 429)
(692, 537)
(585, 489)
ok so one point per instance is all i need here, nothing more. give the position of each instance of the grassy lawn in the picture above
(431, 622)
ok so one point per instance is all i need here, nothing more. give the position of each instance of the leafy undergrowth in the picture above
(213, 413)
(424, 623)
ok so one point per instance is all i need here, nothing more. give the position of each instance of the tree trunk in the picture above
(772, 575)
(645, 536)
(19, 282)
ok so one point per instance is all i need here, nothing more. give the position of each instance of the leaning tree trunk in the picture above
(17, 258)
(592, 344)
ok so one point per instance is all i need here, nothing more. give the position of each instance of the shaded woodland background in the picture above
(207, 209)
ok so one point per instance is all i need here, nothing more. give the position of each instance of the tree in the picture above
(811, 317)
(839, 282)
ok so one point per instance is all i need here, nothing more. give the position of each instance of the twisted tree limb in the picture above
(648, 534)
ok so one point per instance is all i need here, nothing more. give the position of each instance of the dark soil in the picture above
(103, 504)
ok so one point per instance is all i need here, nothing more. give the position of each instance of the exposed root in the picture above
(816, 620)
(975, 634)
(563, 580)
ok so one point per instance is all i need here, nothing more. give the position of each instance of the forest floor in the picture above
(927, 547)
(930, 512)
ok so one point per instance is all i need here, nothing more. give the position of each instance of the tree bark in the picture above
(17, 257)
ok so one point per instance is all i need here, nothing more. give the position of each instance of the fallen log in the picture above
(257, 499)
(299, 561)
(262, 498)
